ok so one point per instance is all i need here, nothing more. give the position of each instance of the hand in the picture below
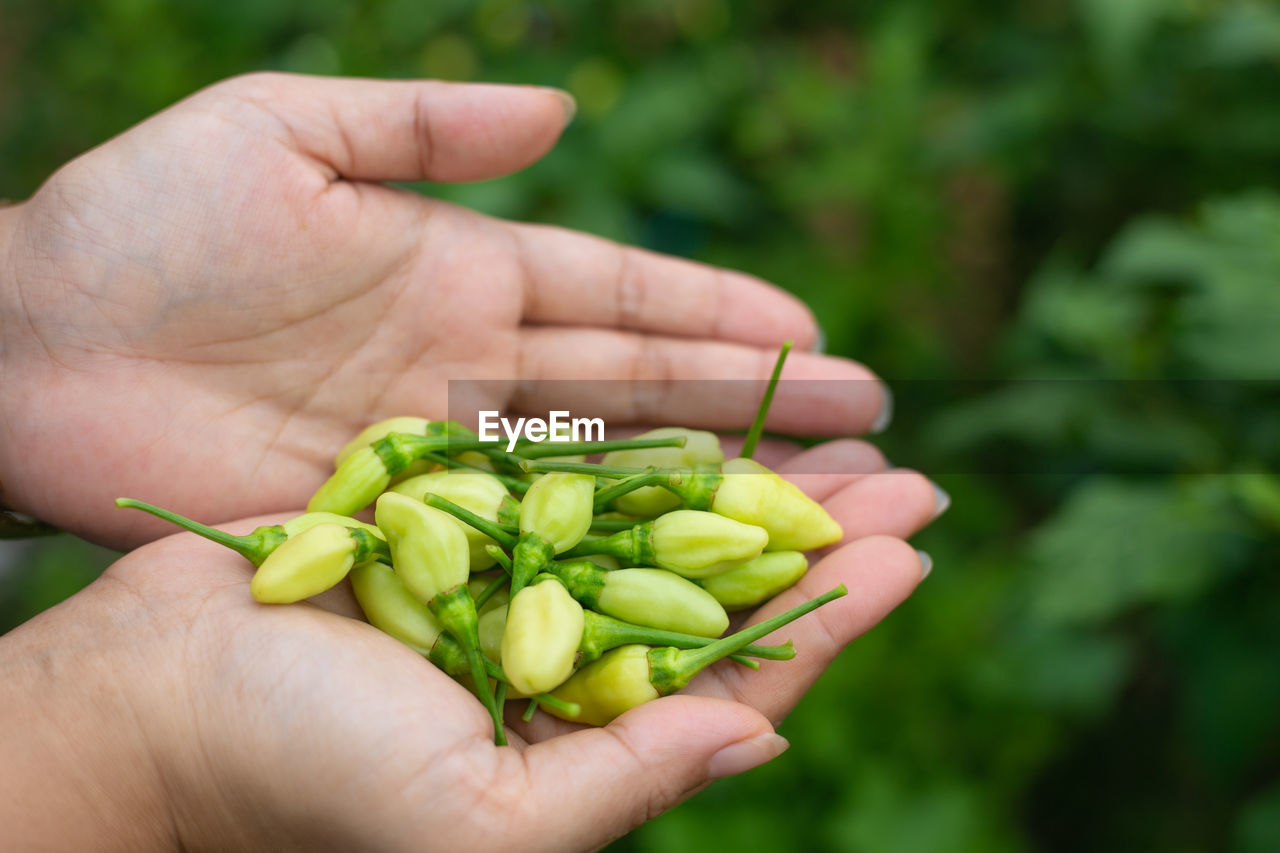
(162, 707)
(202, 310)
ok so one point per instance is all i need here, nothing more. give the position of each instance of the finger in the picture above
(580, 280)
(634, 378)
(410, 130)
(643, 763)
(892, 503)
(880, 573)
(823, 471)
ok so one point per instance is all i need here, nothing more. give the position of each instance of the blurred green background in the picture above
(1053, 189)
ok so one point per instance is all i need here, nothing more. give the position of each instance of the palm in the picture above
(348, 739)
(233, 313)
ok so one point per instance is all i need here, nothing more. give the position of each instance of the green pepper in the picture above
(653, 597)
(740, 489)
(758, 580)
(381, 429)
(430, 555)
(600, 633)
(256, 545)
(393, 610)
(368, 471)
(540, 642)
(688, 542)
(701, 448)
(554, 516)
(634, 674)
(481, 493)
(310, 563)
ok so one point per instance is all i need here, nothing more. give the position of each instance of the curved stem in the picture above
(254, 547)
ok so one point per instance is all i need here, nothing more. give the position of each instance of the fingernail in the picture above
(941, 500)
(926, 564)
(820, 340)
(886, 411)
(745, 755)
(567, 102)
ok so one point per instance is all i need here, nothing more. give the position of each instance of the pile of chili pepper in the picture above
(585, 588)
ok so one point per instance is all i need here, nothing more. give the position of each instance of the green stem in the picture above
(489, 591)
(671, 669)
(757, 426)
(448, 655)
(500, 557)
(532, 708)
(466, 516)
(612, 472)
(537, 450)
(514, 484)
(601, 633)
(254, 547)
(616, 524)
(456, 613)
(612, 492)
(532, 554)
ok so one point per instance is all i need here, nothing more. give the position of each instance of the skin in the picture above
(163, 708)
(200, 312)
(228, 288)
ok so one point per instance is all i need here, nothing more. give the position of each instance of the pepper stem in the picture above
(670, 669)
(449, 656)
(499, 556)
(612, 472)
(537, 450)
(254, 547)
(489, 528)
(532, 554)
(457, 614)
(615, 524)
(531, 709)
(601, 633)
(489, 591)
(612, 492)
(757, 426)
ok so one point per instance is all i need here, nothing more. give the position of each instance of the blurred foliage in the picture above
(1071, 195)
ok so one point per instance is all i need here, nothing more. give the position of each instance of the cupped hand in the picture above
(202, 310)
(194, 717)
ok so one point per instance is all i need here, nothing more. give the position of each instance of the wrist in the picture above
(80, 772)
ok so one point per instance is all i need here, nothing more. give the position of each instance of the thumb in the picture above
(410, 130)
(645, 762)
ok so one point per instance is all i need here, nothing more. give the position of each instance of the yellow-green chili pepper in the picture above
(753, 494)
(256, 545)
(634, 674)
(554, 516)
(701, 448)
(740, 489)
(690, 543)
(431, 558)
(758, 580)
(654, 597)
(543, 628)
(310, 563)
(481, 493)
(382, 429)
(393, 610)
